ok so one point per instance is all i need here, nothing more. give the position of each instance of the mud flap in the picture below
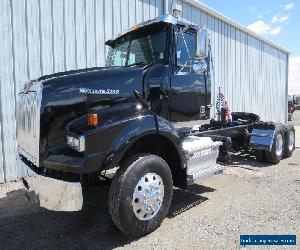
(262, 139)
(52, 194)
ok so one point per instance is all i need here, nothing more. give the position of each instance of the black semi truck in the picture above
(76, 127)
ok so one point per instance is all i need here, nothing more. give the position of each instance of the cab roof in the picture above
(167, 18)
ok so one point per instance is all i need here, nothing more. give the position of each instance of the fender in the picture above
(138, 128)
(132, 132)
(107, 144)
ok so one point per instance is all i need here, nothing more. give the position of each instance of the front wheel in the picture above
(140, 194)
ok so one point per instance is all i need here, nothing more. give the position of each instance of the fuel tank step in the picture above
(201, 154)
(203, 173)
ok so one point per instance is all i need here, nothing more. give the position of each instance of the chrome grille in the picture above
(28, 122)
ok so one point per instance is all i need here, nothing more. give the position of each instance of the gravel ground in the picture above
(296, 118)
(248, 198)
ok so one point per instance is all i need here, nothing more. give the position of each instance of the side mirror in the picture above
(202, 44)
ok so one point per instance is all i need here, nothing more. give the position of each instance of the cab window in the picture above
(186, 48)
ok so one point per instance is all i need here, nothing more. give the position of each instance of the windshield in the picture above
(139, 48)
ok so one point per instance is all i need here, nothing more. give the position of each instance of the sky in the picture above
(276, 20)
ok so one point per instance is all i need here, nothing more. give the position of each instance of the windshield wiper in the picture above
(138, 64)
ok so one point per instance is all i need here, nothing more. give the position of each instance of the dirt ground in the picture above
(296, 118)
(248, 198)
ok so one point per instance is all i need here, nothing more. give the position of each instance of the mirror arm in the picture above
(183, 66)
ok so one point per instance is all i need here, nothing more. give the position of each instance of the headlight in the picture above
(76, 143)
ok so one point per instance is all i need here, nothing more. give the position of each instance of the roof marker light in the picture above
(177, 10)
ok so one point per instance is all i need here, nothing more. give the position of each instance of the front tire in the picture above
(140, 194)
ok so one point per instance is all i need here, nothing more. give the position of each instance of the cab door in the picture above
(188, 90)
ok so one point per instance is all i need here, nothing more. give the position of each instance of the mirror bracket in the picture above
(199, 67)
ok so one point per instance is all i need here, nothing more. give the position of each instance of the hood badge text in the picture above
(99, 91)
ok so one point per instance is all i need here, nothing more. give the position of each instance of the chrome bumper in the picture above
(52, 194)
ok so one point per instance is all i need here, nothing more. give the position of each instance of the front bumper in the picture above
(52, 194)
(65, 160)
(74, 164)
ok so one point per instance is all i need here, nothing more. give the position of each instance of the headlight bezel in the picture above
(76, 143)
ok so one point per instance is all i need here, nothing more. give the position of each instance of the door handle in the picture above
(164, 95)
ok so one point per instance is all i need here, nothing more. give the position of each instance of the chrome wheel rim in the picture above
(279, 144)
(148, 196)
(291, 140)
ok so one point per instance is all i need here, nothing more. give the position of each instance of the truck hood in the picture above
(72, 94)
(92, 85)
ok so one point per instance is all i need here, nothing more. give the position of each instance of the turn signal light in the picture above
(93, 119)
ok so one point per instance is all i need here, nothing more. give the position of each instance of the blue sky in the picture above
(276, 20)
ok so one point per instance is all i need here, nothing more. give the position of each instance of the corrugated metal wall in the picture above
(40, 37)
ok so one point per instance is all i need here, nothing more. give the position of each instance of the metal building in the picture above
(40, 37)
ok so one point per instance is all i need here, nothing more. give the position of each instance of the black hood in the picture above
(72, 94)
(98, 85)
